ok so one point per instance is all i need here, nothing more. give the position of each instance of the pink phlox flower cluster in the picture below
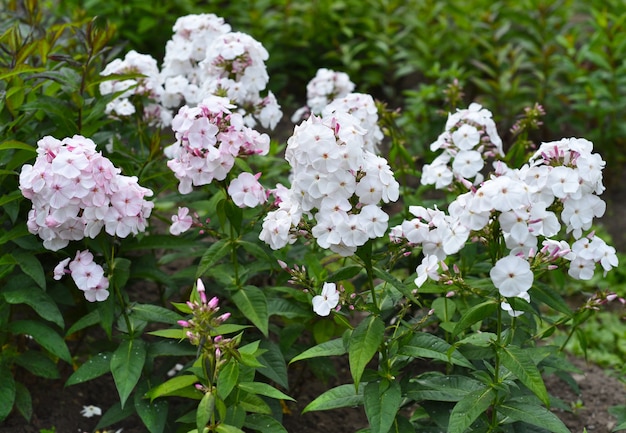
(363, 107)
(204, 57)
(149, 86)
(326, 86)
(75, 192)
(87, 274)
(470, 137)
(331, 170)
(208, 139)
(247, 191)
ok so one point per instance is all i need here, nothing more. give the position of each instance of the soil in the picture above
(57, 407)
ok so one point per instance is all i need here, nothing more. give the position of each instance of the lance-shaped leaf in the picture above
(382, 402)
(425, 345)
(519, 362)
(532, 414)
(215, 252)
(475, 314)
(126, 365)
(466, 411)
(327, 348)
(340, 396)
(363, 345)
(252, 303)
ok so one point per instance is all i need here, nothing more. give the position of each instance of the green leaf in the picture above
(425, 345)
(126, 365)
(253, 403)
(227, 379)
(335, 398)
(532, 414)
(14, 144)
(263, 389)
(23, 401)
(31, 266)
(37, 299)
(115, 414)
(519, 362)
(399, 285)
(38, 364)
(87, 320)
(475, 314)
(178, 334)
(94, 367)
(45, 336)
(7, 392)
(153, 414)
(274, 363)
(155, 313)
(382, 401)
(439, 387)
(252, 303)
(547, 295)
(214, 253)
(264, 423)
(327, 348)
(363, 345)
(175, 386)
(206, 409)
(226, 428)
(466, 411)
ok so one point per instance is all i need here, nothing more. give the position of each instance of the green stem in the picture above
(496, 374)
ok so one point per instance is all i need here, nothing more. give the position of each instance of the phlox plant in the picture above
(284, 253)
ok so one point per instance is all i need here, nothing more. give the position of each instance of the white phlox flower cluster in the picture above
(149, 86)
(326, 86)
(336, 184)
(469, 138)
(87, 274)
(204, 57)
(76, 192)
(526, 204)
(209, 137)
(363, 107)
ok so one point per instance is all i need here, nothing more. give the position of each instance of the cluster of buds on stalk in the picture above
(203, 325)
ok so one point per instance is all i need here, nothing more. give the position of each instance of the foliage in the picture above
(434, 338)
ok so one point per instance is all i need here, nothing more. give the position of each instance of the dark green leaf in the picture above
(466, 411)
(227, 379)
(264, 423)
(38, 364)
(425, 345)
(382, 401)
(94, 367)
(126, 365)
(439, 387)
(335, 398)
(7, 392)
(31, 266)
(37, 299)
(214, 253)
(154, 313)
(475, 314)
(364, 343)
(42, 334)
(274, 362)
(87, 320)
(206, 409)
(23, 401)
(532, 414)
(153, 414)
(519, 362)
(252, 303)
(327, 348)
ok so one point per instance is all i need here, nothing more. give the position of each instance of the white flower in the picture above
(428, 268)
(512, 276)
(89, 411)
(322, 304)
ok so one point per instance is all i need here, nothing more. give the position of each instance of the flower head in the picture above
(327, 300)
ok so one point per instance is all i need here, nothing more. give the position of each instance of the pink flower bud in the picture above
(184, 323)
